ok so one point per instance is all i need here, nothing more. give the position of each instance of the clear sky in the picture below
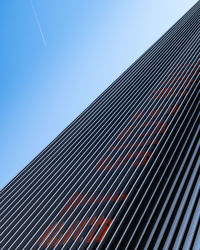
(57, 56)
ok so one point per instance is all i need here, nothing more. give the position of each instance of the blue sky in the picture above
(57, 56)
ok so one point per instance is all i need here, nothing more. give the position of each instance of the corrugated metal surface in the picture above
(125, 173)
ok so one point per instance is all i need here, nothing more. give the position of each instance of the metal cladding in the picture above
(125, 173)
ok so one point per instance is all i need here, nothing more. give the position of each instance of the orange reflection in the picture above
(46, 234)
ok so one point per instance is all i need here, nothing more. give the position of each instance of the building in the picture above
(125, 173)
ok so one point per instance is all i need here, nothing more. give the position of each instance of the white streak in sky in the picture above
(38, 23)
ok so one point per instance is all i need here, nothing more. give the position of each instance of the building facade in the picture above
(125, 173)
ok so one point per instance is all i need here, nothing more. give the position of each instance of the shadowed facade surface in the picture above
(125, 173)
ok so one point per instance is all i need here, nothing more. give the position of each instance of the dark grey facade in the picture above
(125, 173)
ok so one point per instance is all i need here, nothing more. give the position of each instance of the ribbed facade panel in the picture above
(126, 173)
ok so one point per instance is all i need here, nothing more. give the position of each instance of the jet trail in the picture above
(38, 23)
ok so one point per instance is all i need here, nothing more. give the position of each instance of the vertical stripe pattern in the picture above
(126, 173)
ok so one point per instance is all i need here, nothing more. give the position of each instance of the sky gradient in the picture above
(57, 56)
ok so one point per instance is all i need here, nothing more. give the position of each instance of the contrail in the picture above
(38, 23)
